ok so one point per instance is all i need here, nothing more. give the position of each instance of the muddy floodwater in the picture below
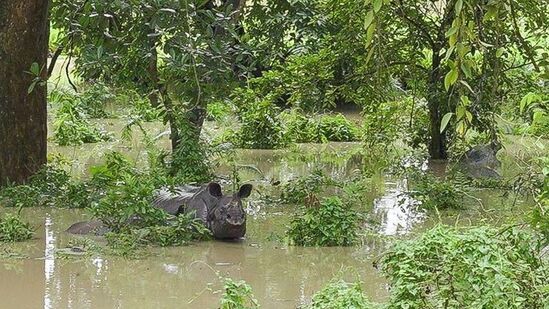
(34, 275)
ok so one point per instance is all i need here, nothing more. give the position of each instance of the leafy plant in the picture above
(339, 294)
(260, 125)
(302, 128)
(479, 267)
(237, 295)
(218, 110)
(437, 193)
(297, 191)
(71, 126)
(329, 223)
(12, 229)
(52, 187)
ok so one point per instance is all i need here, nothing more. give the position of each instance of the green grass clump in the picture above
(13, 228)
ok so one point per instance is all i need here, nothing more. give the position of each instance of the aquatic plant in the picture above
(13, 228)
(260, 126)
(52, 186)
(438, 193)
(71, 125)
(237, 295)
(339, 294)
(480, 267)
(330, 222)
(301, 128)
(297, 190)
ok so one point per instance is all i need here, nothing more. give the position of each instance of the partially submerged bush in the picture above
(297, 190)
(300, 128)
(71, 126)
(12, 229)
(51, 186)
(339, 294)
(438, 193)
(329, 223)
(260, 125)
(237, 295)
(479, 267)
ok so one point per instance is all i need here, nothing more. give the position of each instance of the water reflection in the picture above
(49, 262)
(397, 210)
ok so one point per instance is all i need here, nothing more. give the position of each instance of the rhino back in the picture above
(183, 199)
(94, 227)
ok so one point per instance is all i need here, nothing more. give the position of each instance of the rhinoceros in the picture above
(223, 215)
(481, 161)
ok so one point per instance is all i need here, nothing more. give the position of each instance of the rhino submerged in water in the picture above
(223, 215)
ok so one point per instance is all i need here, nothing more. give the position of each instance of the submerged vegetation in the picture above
(13, 228)
(444, 104)
(475, 267)
(329, 222)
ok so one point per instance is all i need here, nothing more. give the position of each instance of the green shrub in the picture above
(300, 128)
(261, 127)
(438, 193)
(128, 203)
(479, 267)
(51, 187)
(237, 295)
(339, 294)
(12, 229)
(218, 110)
(94, 100)
(71, 126)
(330, 223)
(296, 191)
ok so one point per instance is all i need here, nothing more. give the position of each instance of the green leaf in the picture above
(377, 5)
(451, 78)
(31, 87)
(465, 68)
(370, 33)
(369, 19)
(35, 69)
(499, 52)
(445, 121)
(459, 6)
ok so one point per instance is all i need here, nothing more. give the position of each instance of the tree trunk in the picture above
(23, 122)
(437, 142)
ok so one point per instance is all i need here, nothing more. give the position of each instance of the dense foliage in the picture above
(13, 228)
(328, 223)
(237, 295)
(339, 294)
(478, 267)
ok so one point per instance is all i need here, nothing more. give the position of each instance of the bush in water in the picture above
(481, 267)
(237, 295)
(339, 294)
(12, 229)
(328, 223)
(71, 126)
(436, 193)
(51, 186)
(301, 128)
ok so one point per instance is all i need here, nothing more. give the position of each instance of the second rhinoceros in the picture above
(222, 214)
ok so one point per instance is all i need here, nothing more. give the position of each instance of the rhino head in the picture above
(227, 218)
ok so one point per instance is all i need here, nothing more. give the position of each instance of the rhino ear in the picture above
(214, 189)
(245, 191)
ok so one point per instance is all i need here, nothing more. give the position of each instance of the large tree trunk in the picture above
(23, 132)
(437, 142)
